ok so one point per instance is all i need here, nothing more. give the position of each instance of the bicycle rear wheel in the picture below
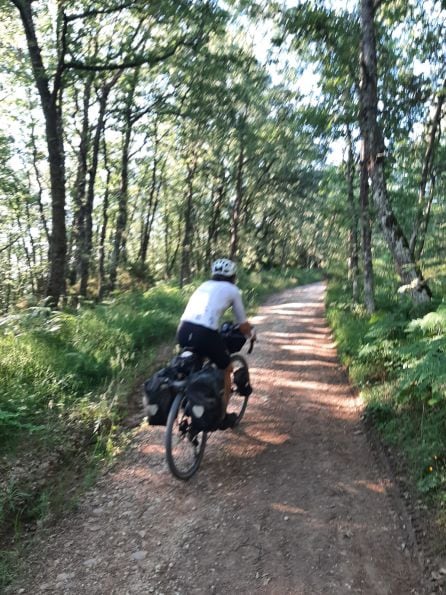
(184, 447)
(237, 403)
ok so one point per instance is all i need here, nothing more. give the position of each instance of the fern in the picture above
(425, 372)
(389, 325)
(425, 360)
(433, 324)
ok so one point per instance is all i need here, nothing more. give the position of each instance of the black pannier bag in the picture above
(241, 379)
(204, 399)
(157, 397)
(233, 338)
(184, 363)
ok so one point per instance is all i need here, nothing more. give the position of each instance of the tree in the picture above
(133, 38)
(353, 263)
(405, 264)
(51, 103)
(338, 34)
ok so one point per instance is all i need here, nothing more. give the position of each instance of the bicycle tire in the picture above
(184, 449)
(237, 403)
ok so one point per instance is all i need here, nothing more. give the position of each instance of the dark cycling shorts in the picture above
(204, 341)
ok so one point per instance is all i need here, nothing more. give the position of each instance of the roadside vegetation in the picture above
(396, 357)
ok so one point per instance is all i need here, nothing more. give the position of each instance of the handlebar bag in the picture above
(158, 398)
(233, 338)
(204, 399)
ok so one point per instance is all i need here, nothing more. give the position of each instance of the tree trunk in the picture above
(103, 230)
(421, 222)
(238, 203)
(353, 270)
(121, 220)
(170, 254)
(50, 102)
(39, 184)
(217, 203)
(152, 204)
(420, 238)
(25, 236)
(77, 239)
(366, 235)
(188, 225)
(405, 265)
(86, 245)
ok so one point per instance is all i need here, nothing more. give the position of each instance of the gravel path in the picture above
(292, 502)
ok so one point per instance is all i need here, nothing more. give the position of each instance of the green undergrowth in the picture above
(397, 358)
(65, 378)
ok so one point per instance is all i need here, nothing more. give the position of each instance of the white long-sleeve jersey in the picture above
(208, 303)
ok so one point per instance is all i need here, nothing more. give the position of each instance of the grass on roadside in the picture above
(397, 357)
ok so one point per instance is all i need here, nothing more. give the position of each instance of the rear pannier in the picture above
(158, 397)
(204, 399)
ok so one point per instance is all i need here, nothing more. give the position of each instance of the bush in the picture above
(51, 361)
(397, 357)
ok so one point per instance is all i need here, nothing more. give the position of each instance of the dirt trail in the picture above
(292, 502)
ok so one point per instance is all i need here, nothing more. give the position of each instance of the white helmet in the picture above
(224, 267)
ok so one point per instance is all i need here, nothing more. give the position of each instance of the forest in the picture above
(141, 140)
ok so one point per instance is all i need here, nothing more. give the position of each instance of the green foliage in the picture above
(398, 359)
(51, 361)
(8, 559)
(424, 379)
(349, 322)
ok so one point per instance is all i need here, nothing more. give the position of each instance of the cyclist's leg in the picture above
(209, 343)
(188, 334)
(227, 387)
(219, 355)
(239, 392)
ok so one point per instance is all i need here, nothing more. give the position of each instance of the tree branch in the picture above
(423, 208)
(103, 11)
(148, 59)
(3, 248)
(61, 60)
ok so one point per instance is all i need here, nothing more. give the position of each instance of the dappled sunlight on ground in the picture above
(300, 339)
(305, 362)
(149, 449)
(286, 508)
(307, 345)
(372, 486)
(264, 437)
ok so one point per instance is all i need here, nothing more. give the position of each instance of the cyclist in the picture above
(200, 322)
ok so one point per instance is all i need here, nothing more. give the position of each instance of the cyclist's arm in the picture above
(245, 327)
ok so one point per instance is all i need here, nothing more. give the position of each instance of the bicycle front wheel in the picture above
(184, 446)
(238, 403)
